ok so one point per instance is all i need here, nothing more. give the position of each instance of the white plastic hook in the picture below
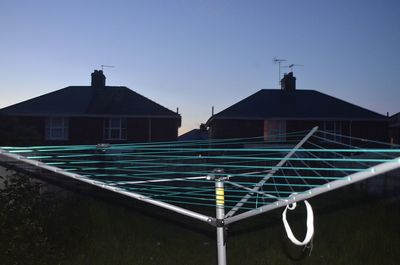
(310, 224)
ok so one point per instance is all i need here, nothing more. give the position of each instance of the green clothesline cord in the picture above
(211, 199)
(166, 143)
(198, 203)
(161, 165)
(213, 166)
(151, 146)
(202, 173)
(148, 173)
(137, 167)
(291, 177)
(237, 182)
(222, 157)
(162, 192)
(357, 138)
(144, 146)
(134, 153)
(213, 149)
(243, 183)
(210, 188)
(153, 194)
(227, 207)
(157, 187)
(147, 177)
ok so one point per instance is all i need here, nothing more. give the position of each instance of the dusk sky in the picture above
(198, 54)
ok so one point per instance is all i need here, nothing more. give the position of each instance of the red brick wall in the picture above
(90, 130)
(21, 131)
(372, 130)
(394, 134)
(164, 129)
(86, 130)
(236, 128)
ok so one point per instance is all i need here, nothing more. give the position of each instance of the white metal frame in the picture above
(265, 179)
(109, 187)
(221, 220)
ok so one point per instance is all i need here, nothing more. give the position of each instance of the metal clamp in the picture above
(218, 175)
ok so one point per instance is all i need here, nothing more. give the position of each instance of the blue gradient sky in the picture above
(198, 54)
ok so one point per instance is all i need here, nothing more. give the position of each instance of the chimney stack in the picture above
(288, 82)
(98, 79)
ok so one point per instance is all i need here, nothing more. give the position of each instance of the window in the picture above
(333, 130)
(274, 130)
(115, 129)
(56, 128)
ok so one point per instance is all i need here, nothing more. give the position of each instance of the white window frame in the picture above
(57, 128)
(336, 129)
(115, 129)
(274, 130)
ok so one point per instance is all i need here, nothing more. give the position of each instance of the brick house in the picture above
(269, 112)
(195, 134)
(93, 114)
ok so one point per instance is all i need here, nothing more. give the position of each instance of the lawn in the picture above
(351, 228)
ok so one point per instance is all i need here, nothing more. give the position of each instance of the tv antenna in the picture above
(278, 61)
(108, 66)
(290, 66)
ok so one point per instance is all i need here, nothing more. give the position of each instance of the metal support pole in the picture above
(350, 179)
(220, 216)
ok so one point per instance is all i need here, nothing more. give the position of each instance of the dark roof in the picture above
(90, 101)
(195, 134)
(395, 116)
(395, 120)
(298, 104)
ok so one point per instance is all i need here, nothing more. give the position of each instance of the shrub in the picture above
(24, 212)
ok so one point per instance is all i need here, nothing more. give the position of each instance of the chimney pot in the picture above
(98, 79)
(288, 82)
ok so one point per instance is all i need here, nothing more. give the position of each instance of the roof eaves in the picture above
(298, 118)
(177, 116)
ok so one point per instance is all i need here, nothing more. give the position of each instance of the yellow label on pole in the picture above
(219, 196)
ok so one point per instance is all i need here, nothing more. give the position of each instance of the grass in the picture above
(118, 234)
(350, 229)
